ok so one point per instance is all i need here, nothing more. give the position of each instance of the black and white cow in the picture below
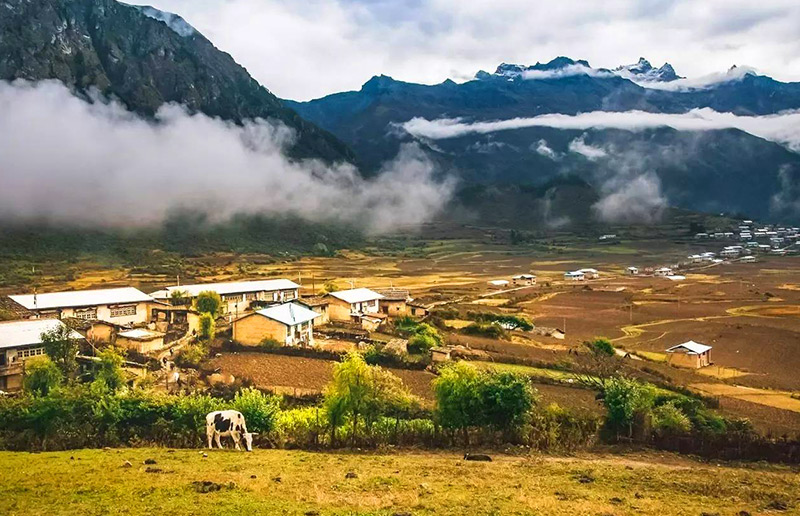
(228, 422)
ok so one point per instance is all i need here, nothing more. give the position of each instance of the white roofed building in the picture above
(237, 296)
(20, 341)
(290, 324)
(689, 354)
(122, 306)
(574, 276)
(590, 273)
(524, 279)
(351, 305)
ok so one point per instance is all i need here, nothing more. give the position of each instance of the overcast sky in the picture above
(310, 48)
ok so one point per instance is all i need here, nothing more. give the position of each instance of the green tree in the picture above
(459, 404)
(41, 377)
(669, 420)
(596, 363)
(626, 402)
(179, 297)
(424, 336)
(260, 410)
(207, 330)
(62, 348)
(363, 393)
(209, 302)
(507, 400)
(109, 376)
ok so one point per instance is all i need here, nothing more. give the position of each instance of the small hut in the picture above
(689, 354)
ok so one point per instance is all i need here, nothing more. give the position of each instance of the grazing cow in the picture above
(228, 422)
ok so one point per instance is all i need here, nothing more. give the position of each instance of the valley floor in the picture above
(89, 482)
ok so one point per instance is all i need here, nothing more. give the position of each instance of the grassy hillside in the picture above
(291, 482)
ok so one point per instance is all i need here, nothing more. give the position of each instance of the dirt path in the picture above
(777, 399)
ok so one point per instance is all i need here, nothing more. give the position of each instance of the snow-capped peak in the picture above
(643, 71)
(173, 21)
(559, 67)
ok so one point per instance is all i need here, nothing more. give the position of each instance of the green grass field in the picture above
(93, 482)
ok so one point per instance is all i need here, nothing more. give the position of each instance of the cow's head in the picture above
(248, 440)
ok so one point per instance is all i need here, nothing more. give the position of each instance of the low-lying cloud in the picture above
(736, 73)
(541, 147)
(63, 159)
(565, 71)
(631, 200)
(782, 128)
(579, 145)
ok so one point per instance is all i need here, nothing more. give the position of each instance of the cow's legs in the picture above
(210, 435)
(235, 436)
(216, 438)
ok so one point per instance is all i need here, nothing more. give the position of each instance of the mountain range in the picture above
(722, 170)
(543, 170)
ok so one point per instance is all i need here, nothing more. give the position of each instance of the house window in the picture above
(30, 352)
(88, 315)
(123, 311)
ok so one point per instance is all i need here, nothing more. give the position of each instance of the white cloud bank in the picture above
(541, 147)
(67, 160)
(566, 71)
(783, 128)
(580, 146)
(698, 83)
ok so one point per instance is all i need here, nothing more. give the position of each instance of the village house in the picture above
(141, 340)
(123, 306)
(748, 259)
(237, 296)
(662, 272)
(351, 305)
(290, 324)
(318, 304)
(689, 354)
(523, 279)
(21, 341)
(590, 273)
(394, 302)
(499, 283)
(574, 276)
(633, 271)
(417, 309)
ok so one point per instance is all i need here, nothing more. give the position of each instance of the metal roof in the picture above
(357, 295)
(140, 334)
(28, 332)
(523, 276)
(694, 348)
(79, 298)
(229, 287)
(289, 314)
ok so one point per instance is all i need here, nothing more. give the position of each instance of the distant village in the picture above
(160, 323)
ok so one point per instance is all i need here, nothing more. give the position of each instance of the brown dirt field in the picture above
(569, 397)
(306, 374)
(768, 420)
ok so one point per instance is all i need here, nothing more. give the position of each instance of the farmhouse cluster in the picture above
(152, 324)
